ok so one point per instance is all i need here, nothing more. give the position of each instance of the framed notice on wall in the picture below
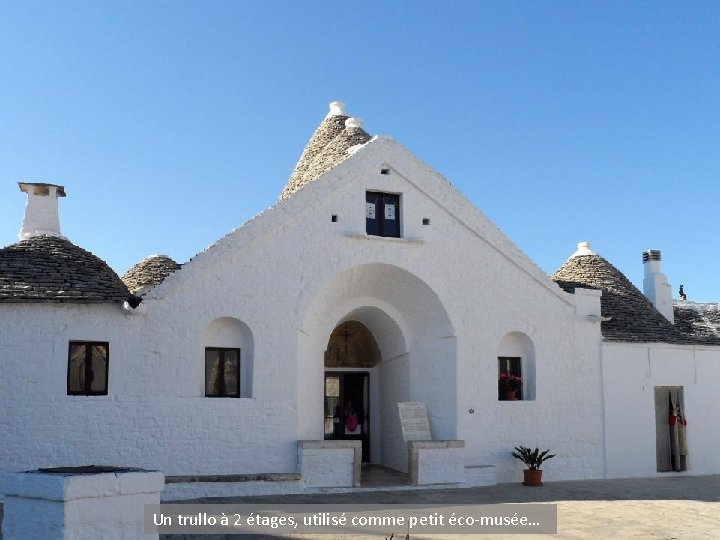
(414, 421)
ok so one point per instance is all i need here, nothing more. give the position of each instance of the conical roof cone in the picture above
(632, 316)
(326, 148)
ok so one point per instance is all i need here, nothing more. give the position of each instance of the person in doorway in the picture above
(351, 420)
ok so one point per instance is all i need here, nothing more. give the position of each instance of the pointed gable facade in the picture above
(371, 287)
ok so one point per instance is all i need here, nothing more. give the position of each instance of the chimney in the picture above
(656, 286)
(41, 212)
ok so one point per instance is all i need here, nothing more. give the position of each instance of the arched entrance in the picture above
(351, 355)
(414, 358)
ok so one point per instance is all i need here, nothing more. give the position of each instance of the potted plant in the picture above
(532, 476)
(508, 386)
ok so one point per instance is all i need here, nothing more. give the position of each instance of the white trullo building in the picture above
(371, 283)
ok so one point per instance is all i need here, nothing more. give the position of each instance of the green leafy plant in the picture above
(532, 458)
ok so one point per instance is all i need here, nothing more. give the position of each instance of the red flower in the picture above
(507, 381)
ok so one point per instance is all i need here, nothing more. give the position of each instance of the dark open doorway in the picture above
(347, 406)
(670, 429)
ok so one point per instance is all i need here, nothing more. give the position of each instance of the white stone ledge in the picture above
(306, 445)
(232, 478)
(374, 238)
(63, 487)
(436, 444)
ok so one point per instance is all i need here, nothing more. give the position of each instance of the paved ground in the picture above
(673, 507)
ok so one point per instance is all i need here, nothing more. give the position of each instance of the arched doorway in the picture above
(417, 355)
(351, 355)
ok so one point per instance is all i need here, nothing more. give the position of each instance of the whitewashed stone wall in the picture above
(439, 301)
(630, 373)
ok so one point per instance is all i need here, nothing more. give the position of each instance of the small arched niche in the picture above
(352, 345)
(516, 360)
(228, 359)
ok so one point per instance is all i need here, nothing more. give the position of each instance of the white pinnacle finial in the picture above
(337, 108)
(354, 122)
(583, 248)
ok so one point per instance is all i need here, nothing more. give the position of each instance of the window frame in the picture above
(511, 365)
(380, 214)
(89, 374)
(222, 351)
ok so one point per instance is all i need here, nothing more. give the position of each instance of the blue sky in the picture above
(171, 123)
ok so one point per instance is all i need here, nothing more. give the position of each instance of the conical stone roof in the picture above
(327, 147)
(149, 272)
(633, 317)
(700, 321)
(336, 151)
(53, 269)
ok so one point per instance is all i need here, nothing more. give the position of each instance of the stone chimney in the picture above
(41, 212)
(656, 286)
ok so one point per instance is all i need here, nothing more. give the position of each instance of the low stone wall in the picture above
(330, 463)
(78, 506)
(436, 462)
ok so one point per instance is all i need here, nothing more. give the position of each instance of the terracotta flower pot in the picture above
(509, 395)
(532, 478)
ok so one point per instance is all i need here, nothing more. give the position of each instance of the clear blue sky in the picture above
(171, 123)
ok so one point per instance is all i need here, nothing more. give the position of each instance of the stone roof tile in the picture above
(698, 321)
(632, 316)
(152, 270)
(53, 269)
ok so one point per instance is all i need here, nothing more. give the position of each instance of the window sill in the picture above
(372, 237)
(231, 398)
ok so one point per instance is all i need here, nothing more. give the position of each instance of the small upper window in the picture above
(382, 214)
(88, 368)
(222, 372)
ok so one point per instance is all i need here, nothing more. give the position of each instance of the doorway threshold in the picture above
(380, 476)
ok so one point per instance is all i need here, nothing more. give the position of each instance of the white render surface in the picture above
(479, 476)
(631, 372)
(78, 507)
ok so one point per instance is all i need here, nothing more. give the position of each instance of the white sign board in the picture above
(414, 421)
